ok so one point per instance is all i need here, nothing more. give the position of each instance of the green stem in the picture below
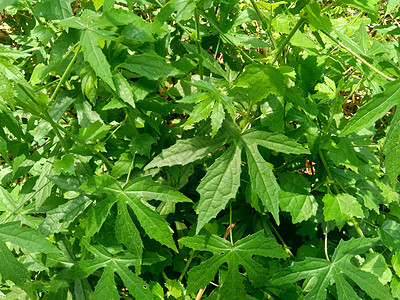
(264, 22)
(193, 254)
(49, 119)
(287, 249)
(198, 42)
(230, 224)
(87, 146)
(64, 75)
(359, 57)
(287, 39)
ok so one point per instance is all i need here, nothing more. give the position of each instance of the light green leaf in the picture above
(263, 181)
(124, 90)
(95, 131)
(261, 81)
(273, 140)
(217, 117)
(325, 272)
(295, 197)
(318, 21)
(95, 56)
(201, 111)
(152, 67)
(391, 5)
(105, 288)
(341, 208)
(391, 149)
(59, 218)
(7, 201)
(186, 151)
(365, 5)
(145, 187)
(126, 231)
(26, 238)
(219, 185)
(53, 9)
(374, 109)
(375, 263)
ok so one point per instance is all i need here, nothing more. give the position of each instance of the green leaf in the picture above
(240, 253)
(142, 144)
(95, 56)
(263, 181)
(325, 272)
(7, 201)
(314, 16)
(374, 109)
(97, 215)
(26, 238)
(391, 5)
(124, 90)
(375, 263)
(219, 185)
(95, 131)
(53, 9)
(261, 81)
(295, 197)
(136, 286)
(365, 5)
(152, 67)
(341, 208)
(155, 226)
(126, 231)
(12, 269)
(186, 151)
(389, 232)
(145, 187)
(105, 288)
(59, 218)
(391, 149)
(273, 140)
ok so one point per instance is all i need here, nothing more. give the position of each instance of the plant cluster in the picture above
(223, 149)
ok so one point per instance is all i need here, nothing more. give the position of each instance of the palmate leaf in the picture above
(219, 185)
(240, 253)
(209, 104)
(374, 109)
(111, 263)
(325, 272)
(133, 193)
(90, 38)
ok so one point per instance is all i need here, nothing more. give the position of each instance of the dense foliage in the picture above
(224, 149)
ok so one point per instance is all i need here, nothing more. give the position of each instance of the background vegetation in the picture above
(223, 149)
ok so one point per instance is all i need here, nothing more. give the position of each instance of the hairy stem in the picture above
(264, 23)
(287, 40)
(198, 42)
(359, 57)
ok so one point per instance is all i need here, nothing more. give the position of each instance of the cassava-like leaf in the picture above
(326, 271)
(391, 149)
(219, 185)
(234, 255)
